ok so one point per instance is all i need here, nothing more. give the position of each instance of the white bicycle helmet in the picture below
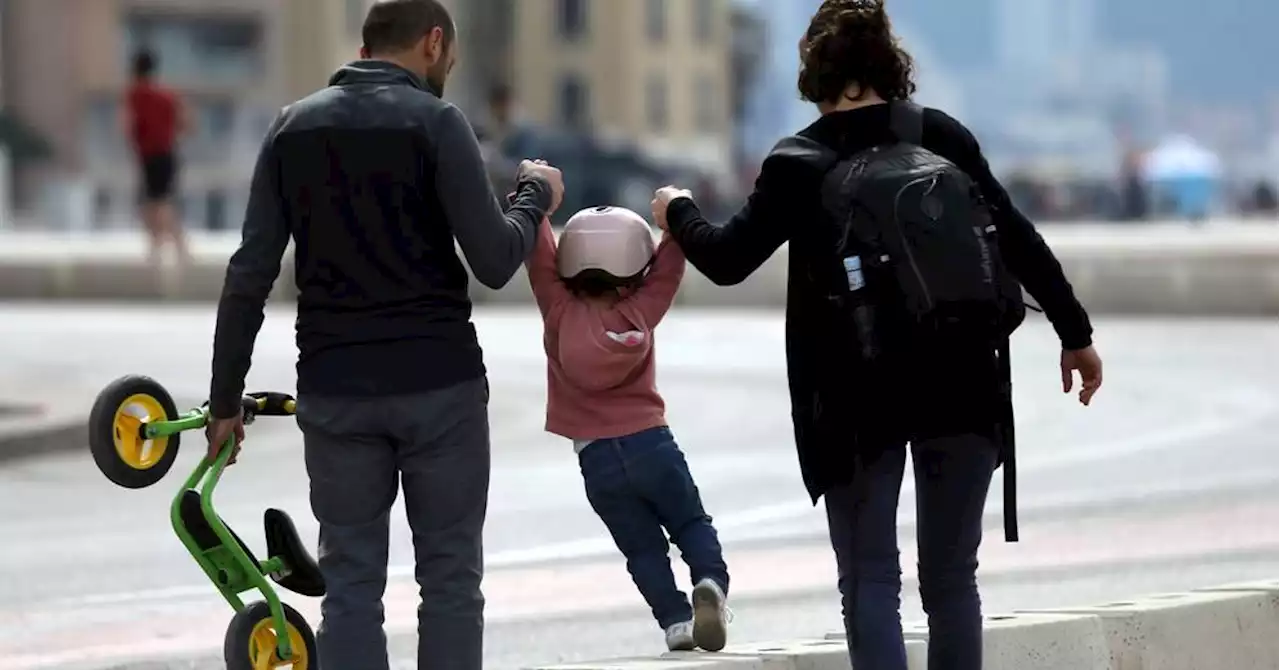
(613, 244)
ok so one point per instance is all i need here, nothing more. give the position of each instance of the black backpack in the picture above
(913, 261)
(916, 247)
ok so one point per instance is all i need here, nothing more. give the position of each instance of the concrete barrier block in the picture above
(1047, 642)
(516, 292)
(669, 661)
(917, 647)
(1189, 631)
(1271, 586)
(794, 654)
(120, 280)
(1169, 270)
(30, 279)
(1036, 642)
(917, 655)
(766, 287)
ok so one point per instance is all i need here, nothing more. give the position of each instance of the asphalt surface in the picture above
(1168, 482)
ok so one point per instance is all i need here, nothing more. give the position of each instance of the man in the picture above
(153, 119)
(375, 177)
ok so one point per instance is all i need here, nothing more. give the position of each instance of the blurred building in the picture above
(652, 71)
(749, 38)
(6, 212)
(486, 30)
(321, 35)
(65, 65)
(775, 109)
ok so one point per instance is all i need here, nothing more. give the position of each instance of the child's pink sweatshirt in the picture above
(600, 368)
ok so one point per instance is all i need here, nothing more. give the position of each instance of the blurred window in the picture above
(213, 122)
(574, 103)
(572, 18)
(656, 102)
(217, 50)
(704, 12)
(215, 209)
(262, 121)
(217, 119)
(356, 11)
(655, 20)
(705, 94)
(103, 137)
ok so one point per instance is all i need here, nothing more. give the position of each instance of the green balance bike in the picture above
(133, 433)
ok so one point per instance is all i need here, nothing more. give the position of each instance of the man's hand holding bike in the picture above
(220, 431)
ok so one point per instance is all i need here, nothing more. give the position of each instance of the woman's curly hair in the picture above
(852, 42)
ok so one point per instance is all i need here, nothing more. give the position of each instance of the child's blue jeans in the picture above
(640, 485)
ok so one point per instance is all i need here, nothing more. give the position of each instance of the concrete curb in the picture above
(1231, 626)
(1219, 269)
(43, 432)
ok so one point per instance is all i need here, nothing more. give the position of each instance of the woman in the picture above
(852, 66)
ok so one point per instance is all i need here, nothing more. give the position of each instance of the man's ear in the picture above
(364, 52)
(435, 50)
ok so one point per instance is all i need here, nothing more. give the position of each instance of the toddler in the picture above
(601, 295)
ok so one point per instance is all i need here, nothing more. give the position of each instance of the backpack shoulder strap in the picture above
(906, 121)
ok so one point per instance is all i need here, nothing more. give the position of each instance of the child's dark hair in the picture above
(852, 42)
(598, 283)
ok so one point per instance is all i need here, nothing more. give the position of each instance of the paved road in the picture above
(1168, 482)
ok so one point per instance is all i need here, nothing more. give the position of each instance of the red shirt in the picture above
(153, 118)
(600, 358)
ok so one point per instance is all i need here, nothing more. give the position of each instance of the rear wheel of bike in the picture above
(252, 640)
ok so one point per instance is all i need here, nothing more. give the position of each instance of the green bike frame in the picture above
(228, 566)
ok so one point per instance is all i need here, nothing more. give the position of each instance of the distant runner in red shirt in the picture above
(154, 117)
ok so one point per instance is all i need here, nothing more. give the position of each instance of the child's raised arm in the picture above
(548, 290)
(658, 292)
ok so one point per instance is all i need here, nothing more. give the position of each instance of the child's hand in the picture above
(659, 215)
(662, 200)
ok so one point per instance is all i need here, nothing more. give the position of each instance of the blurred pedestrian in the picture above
(154, 117)
(376, 178)
(898, 316)
(1133, 190)
(602, 292)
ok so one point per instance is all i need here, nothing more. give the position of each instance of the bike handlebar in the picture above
(268, 403)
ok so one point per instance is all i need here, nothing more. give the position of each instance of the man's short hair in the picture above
(396, 25)
(144, 63)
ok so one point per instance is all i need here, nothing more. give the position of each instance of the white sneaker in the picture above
(710, 619)
(680, 636)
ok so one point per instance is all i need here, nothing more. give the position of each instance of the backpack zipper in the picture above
(906, 247)
(859, 166)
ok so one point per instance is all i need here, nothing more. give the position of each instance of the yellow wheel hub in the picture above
(133, 413)
(263, 643)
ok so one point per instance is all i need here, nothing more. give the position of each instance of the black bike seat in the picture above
(301, 574)
(201, 532)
